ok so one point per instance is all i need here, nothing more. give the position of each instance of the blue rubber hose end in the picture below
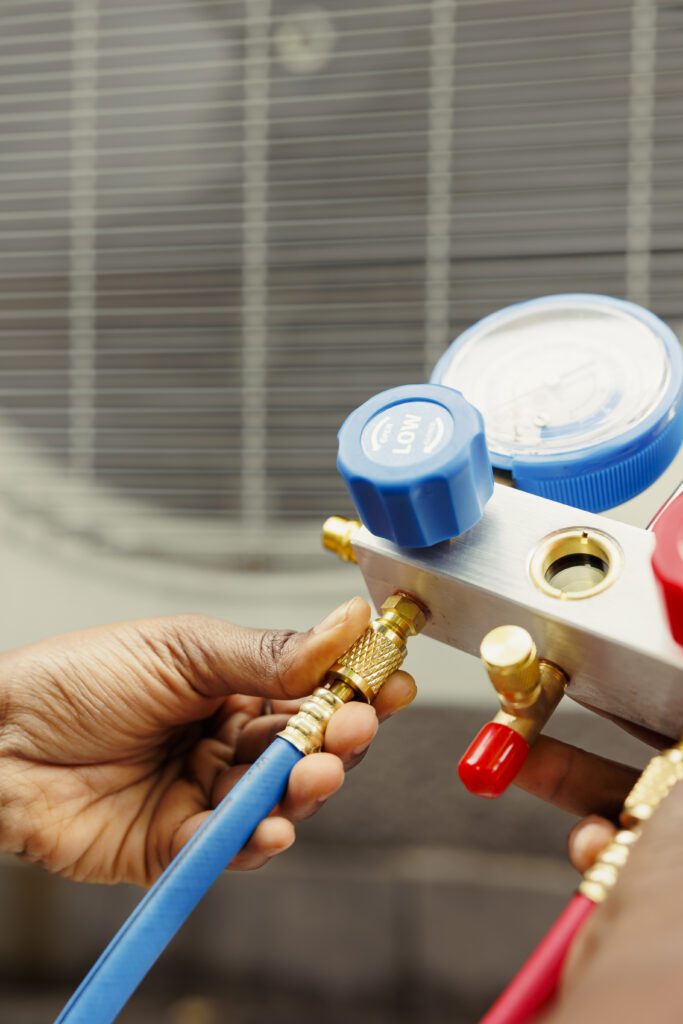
(165, 907)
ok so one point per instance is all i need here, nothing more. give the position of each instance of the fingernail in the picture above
(588, 840)
(335, 618)
(403, 696)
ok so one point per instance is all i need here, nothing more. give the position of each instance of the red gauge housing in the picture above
(667, 563)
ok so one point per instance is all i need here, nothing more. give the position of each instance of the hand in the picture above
(116, 742)
(625, 963)
(584, 784)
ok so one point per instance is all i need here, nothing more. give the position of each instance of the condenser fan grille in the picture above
(225, 224)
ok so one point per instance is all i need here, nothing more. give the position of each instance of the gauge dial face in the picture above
(559, 377)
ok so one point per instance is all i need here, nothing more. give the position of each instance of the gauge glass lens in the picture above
(560, 377)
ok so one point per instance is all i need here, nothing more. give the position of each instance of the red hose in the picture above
(536, 982)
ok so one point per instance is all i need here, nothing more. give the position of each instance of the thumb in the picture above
(217, 658)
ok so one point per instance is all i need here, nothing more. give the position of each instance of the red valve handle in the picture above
(493, 759)
(667, 563)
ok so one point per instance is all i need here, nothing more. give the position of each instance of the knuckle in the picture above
(276, 651)
(180, 648)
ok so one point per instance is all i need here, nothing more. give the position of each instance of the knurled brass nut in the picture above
(407, 609)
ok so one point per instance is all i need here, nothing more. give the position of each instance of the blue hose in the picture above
(113, 979)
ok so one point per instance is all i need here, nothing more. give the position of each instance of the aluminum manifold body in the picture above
(613, 640)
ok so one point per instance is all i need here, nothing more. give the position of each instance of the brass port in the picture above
(575, 563)
(337, 536)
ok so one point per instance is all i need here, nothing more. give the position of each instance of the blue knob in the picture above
(416, 464)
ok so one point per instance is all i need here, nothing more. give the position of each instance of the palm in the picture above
(118, 743)
(133, 807)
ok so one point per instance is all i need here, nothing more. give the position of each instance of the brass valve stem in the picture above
(360, 672)
(655, 783)
(529, 688)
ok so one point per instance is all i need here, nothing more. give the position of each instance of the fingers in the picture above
(257, 736)
(211, 659)
(350, 732)
(207, 761)
(398, 691)
(286, 665)
(587, 840)
(652, 739)
(313, 781)
(575, 780)
(317, 777)
(272, 836)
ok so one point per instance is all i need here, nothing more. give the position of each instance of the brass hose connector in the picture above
(360, 672)
(529, 688)
(654, 785)
(306, 729)
(337, 536)
(601, 877)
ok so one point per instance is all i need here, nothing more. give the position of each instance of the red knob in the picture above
(493, 760)
(667, 563)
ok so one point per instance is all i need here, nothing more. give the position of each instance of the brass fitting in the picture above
(528, 687)
(656, 781)
(599, 880)
(360, 672)
(654, 785)
(306, 729)
(337, 536)
(403, 614)
(509, 656)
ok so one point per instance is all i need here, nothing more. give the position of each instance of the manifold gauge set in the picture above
(572, 404)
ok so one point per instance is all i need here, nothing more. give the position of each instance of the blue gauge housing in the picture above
(598, 476)
(415, 462)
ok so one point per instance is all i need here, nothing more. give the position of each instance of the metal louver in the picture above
(225, 223)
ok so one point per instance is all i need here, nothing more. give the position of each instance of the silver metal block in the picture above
(615, 646)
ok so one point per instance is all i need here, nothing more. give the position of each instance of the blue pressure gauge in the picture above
(581, 395)
(415, 462)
